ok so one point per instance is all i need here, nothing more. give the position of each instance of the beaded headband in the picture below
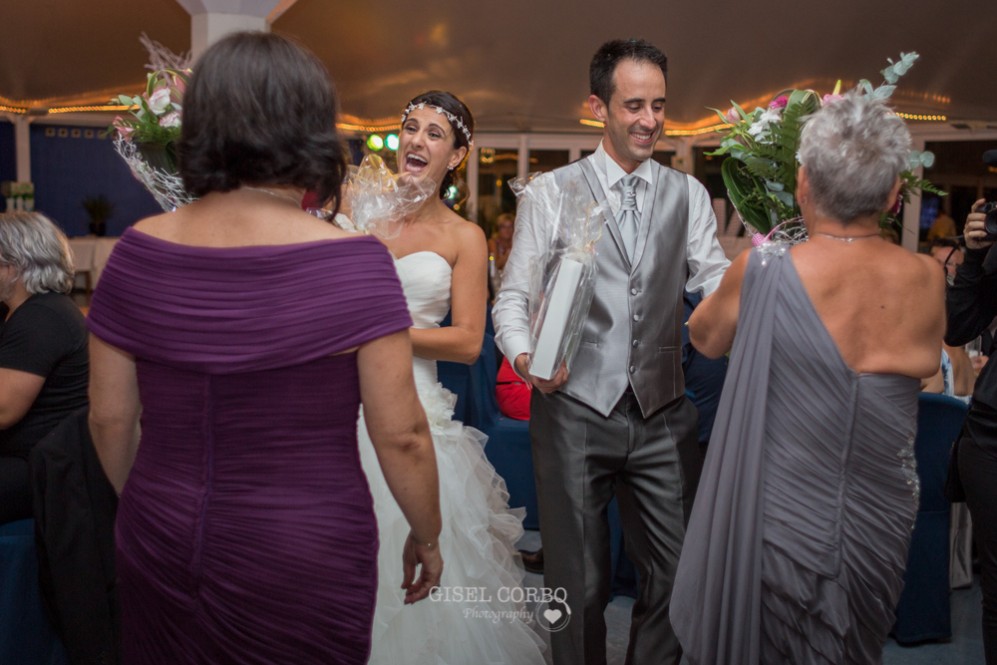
(455, 121)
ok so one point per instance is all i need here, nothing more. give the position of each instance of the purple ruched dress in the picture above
(245, 532)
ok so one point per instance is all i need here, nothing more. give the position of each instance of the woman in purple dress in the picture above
(233, 341)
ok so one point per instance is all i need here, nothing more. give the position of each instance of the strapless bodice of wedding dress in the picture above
(425, 278)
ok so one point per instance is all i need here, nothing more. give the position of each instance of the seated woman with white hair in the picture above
(43, 348)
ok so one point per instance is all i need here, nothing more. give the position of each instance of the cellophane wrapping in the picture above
(562, 283)
(377, 201)
(165, 186)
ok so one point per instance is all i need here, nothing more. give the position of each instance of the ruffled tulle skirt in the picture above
(477, 615)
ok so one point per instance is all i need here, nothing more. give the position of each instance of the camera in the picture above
(990, 221)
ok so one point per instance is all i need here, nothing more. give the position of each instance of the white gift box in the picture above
(547, 355)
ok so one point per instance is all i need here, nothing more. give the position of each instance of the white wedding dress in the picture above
(479, 531)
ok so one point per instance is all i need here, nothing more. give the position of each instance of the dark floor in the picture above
(965, 648)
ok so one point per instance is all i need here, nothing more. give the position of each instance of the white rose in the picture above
(159, 101)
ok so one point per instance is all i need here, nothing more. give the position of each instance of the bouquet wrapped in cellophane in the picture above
(146, 135)
(563, 281)
(761, 149)
(376, 201)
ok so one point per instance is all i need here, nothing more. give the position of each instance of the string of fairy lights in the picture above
(379, 135)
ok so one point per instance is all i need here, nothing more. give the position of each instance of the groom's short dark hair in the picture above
(611, 53)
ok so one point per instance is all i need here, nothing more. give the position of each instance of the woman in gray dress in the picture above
(798, 537)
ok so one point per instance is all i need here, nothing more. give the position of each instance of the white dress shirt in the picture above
(533, 237)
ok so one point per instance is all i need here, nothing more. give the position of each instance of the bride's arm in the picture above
(461, 341)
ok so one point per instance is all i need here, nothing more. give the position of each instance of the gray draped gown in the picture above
(798, 537)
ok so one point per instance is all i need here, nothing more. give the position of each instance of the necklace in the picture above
(286, 197)
(848, 239)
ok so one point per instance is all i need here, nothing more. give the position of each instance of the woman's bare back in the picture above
(882, 305)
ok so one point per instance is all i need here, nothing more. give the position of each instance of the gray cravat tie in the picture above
(628, 218)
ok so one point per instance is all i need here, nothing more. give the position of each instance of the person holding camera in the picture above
(971, 303)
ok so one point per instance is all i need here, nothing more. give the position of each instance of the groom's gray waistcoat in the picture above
(633, 333)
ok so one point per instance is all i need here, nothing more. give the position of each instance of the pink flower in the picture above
(122, 127)
(171, 119)
(895, 210)
(779, 102)
(732, 116)
(178, 88)
(827, 99)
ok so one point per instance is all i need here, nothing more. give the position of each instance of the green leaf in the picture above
(743, 189)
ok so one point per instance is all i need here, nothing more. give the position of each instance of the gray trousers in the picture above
(652, 465)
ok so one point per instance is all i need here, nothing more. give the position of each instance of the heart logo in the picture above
(552, 616)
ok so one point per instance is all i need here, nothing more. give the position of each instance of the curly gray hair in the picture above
(853, 150)
(37, 250)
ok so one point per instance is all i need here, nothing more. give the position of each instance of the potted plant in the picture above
(99, 208)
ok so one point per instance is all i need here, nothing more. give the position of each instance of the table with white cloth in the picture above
(90, 254)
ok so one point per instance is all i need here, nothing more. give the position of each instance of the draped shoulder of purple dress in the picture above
(245, 532)
(798, 537)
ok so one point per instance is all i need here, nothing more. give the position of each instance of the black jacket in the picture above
(74, 507)
(971, 306)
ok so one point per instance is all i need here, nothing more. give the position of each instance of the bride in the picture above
(441, 260)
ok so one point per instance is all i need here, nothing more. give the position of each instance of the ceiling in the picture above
(521, 65)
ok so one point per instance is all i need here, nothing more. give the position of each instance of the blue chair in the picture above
(923, 612)
(508, 448)
(26, 636)
(456, 377)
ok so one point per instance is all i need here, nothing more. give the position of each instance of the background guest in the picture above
(942, 227)
(246, 333)
(972, 306)
(43, 348)
(948, 252)
(500, 244)
(512, 393)
(704, 376)
(955, 375)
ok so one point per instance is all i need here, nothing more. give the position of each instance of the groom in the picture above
(618, 422)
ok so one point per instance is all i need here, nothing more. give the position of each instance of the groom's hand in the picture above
(543, 385)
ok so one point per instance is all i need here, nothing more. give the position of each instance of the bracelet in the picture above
(429, 546)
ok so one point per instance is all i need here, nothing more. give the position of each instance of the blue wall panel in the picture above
(8, 156)
(69, 164)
